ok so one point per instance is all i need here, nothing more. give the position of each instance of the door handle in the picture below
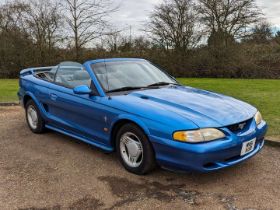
(53, 96)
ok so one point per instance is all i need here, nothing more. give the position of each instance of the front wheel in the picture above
(134, 150)
(33, 117)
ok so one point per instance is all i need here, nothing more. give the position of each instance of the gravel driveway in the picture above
(52, 171)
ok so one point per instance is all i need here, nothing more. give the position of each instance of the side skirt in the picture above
(101, 146)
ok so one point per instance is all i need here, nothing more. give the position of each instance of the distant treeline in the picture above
(203, 38)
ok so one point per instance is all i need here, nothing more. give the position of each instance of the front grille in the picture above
(236, 128)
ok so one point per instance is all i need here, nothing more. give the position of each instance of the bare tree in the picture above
(12, 16)
(112, 40)
(228, 18)
(141, 44)
(262, 33)
(277, 37)
(172, 25)
(15, 44)
(87, 20)
(43, 21)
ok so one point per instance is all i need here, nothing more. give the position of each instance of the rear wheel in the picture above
(33, 117)
(134, 150)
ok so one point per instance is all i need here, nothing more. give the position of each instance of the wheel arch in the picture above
(26, 98)
(29, 96)
(125, 120)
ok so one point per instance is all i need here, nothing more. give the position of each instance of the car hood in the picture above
(203, 108)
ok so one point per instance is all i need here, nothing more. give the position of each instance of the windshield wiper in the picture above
(136, 88)
(124, 89)
(161, 84)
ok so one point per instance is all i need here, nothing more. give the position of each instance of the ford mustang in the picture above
(138, 110)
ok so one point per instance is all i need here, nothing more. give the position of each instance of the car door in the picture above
(81, 115)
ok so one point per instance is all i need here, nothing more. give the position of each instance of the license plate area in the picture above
(248, 147)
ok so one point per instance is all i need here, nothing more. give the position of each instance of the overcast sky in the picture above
(135, 12)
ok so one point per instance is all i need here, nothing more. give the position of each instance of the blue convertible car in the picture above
(136, 109)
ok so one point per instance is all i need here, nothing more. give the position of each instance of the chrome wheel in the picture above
(131, 149)
(32, 117)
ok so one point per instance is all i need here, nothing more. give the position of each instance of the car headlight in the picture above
(258, 118)
(201, 135)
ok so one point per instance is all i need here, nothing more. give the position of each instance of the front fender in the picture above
(133, 119)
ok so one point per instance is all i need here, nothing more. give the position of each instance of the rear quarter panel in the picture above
(37, 89)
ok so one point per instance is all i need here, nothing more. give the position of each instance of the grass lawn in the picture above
(264, 94)
(8, 90)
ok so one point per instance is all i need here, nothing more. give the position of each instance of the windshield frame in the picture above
(129, 60)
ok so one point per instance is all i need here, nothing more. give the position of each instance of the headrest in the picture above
(81, 75)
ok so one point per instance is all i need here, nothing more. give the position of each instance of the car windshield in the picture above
(129, 75)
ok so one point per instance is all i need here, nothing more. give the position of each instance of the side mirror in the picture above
(82, 90)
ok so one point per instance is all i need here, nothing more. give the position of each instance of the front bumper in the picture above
(210, 156)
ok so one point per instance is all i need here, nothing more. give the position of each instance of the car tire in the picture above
(134, 150)
(33, 118)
